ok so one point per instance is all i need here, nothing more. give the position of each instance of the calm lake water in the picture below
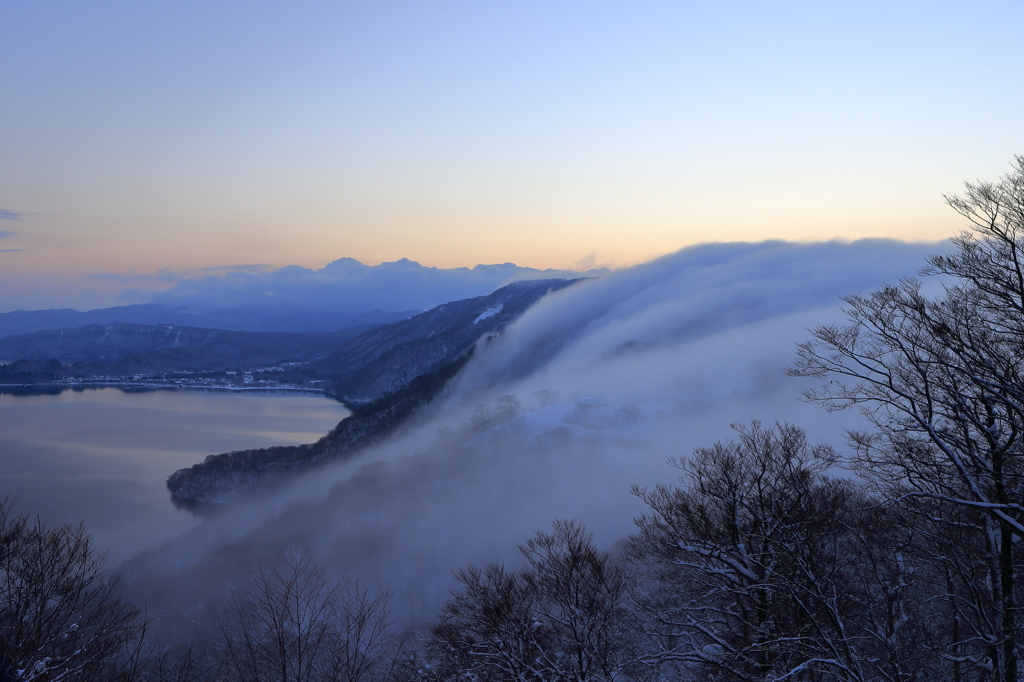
(102, 456)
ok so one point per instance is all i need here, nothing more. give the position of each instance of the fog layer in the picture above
(613, 375)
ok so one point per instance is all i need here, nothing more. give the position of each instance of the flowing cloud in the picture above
(690, 295)
(617, 374)
(10, 250)
(7, 233)
(9, 215)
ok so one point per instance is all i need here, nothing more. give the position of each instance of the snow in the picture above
(624, 424)
(490, 312)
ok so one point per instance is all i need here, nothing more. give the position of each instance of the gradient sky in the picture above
(136, 137)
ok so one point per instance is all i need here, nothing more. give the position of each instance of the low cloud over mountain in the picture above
(612, 376)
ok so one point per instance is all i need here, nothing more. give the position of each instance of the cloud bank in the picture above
(617, 374)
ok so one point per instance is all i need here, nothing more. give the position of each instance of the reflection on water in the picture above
(102, 456)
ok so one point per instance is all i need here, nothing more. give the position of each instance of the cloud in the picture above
(10, 215)
(694, 341)
(7, 233)
(689, 295)
(10, 250)
(588, 262)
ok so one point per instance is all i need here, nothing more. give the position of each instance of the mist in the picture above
(614, 376)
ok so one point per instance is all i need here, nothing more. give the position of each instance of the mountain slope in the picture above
(237, 475)
(167, 347)
(254, 319)
(386, 358)
(385, 375)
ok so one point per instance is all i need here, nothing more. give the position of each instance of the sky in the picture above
(147, 138)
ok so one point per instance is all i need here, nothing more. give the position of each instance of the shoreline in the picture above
(144, 386)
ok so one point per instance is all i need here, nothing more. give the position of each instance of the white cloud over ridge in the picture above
(688, 296)
(694, 341)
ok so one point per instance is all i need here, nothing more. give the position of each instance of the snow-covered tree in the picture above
(297, 624)
(61, 617)
(563, 616)
(941, 381)
(761, 567)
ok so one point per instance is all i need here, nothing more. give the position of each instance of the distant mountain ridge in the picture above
(348, 286)
(134, 348)
(267, 319)
(357, 364)
(342, 294)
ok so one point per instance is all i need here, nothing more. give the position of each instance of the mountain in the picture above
(386, 358)
(385, 375)
(343, 293)
(253, 318)
(344, 286)
(164, 348)
(29, 321)
(359, 363)
(237, 475)
(635, 368)
(30, 375)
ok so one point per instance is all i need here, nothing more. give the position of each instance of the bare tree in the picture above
(941, 380)
(297, 625)
(485, 631)
(60, 614)
(180, 665)
(366, 648)
(582, 602)
(482, 419)
(508, 409)
(763, 568)
(562, 617)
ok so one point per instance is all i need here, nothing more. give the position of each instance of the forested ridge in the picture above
(236, 475)
(896, 558)
(385, 375)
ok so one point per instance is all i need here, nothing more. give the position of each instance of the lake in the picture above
(102, 456)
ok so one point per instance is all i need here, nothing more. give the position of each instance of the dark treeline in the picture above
(770, 559)
(234, 475)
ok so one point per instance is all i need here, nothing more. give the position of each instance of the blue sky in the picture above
(136, 137)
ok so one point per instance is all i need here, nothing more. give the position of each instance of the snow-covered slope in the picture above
(392, 373)
(384, 359)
